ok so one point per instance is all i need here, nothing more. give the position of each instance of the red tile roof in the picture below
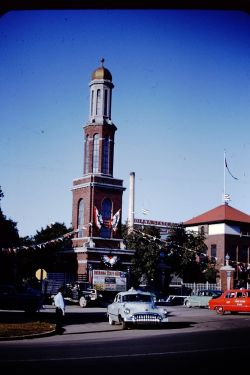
(220, 214)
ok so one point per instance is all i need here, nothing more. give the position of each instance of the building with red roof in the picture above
(227, 231)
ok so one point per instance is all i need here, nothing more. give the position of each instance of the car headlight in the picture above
(126, 310)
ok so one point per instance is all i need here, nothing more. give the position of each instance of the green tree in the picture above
(9, 236)
(183, 253)
(43, 250)
(147, 245)
(51, 232)
(187, 254)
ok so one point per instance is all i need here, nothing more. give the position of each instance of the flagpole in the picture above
(224, 162)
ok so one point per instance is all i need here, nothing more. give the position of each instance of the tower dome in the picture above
(102, 73)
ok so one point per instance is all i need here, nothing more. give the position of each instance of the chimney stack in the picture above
(131, 204)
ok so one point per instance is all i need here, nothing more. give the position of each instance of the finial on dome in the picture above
(102, 61)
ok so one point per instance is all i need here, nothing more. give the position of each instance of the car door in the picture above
(229, 301)
(241, 301)
(114, 307)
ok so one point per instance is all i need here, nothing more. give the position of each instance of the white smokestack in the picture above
(131, 203)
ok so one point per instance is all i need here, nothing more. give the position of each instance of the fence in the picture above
(201, 286)
(197, 286)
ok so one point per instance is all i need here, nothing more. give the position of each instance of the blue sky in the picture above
(181, 98)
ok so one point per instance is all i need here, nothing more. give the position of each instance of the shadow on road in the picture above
(70, 318)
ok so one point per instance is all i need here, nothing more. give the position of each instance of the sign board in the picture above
(107, 280)
(41, 274)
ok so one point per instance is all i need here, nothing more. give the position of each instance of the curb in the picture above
(30, 336)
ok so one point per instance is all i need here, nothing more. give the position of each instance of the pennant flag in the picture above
(145, 211)
(229, 170)
(115, 220)
(98, 218)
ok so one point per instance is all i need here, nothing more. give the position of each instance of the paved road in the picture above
(193, 340)
(92, 322)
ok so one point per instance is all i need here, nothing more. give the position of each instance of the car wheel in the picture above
(83, 302)
(219, 310)
(124, 324)
(111, 322)
(188, 304)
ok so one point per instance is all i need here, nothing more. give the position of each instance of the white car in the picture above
(201, 298)
(135, 307)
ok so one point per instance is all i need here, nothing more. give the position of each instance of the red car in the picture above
(234, 300)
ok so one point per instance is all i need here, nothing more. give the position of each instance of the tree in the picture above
(9, 236)
(51, 232)
(187, 255)
(147, 245)
(183, 253)
(43, 250)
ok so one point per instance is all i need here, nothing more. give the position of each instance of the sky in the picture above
(181, 99)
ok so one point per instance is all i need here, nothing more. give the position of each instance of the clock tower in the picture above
(97, 195)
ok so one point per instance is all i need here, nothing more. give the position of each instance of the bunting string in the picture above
(41, 245)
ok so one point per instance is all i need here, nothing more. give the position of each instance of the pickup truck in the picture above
(81, 293)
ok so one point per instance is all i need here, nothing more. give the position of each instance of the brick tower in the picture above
(97, 195)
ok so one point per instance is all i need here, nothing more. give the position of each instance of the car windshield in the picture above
(137, 298)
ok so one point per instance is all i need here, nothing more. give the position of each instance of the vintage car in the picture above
(234, 301)
(135, 307)
(201, 298)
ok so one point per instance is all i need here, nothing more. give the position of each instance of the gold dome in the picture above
(102, 73)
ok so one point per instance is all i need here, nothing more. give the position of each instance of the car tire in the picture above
(111, 322)
(188, 304)
(219, 310)
(83, 302)
(124, 324)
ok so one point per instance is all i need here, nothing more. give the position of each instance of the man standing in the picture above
(60, 310)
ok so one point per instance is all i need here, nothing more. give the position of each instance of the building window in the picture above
(105, 102)
(106, 216)
(92, 103)
(80, 218)
(105, 159)
(98, 102)
(213, 251)
(86, 169)
(96, 154)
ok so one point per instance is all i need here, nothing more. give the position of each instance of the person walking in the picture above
(60, 310)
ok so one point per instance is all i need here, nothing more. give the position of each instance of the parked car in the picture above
(201, 298)
(234, 301)
(171, 301)
(135, 307)
(20, 298)
(82, 293)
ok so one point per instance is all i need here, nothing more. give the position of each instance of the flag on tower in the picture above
(229, 170)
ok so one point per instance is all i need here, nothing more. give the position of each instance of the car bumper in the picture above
(145, 318)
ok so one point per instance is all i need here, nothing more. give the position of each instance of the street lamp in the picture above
(229, 272)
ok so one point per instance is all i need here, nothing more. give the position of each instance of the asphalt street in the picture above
(194, 341)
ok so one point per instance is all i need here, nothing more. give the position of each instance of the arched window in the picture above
(92, 103)
(105, 158)
(86, 168)
(106, 216)
(96, 153)
(80, 218)
(105, 102)
(98, 102)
